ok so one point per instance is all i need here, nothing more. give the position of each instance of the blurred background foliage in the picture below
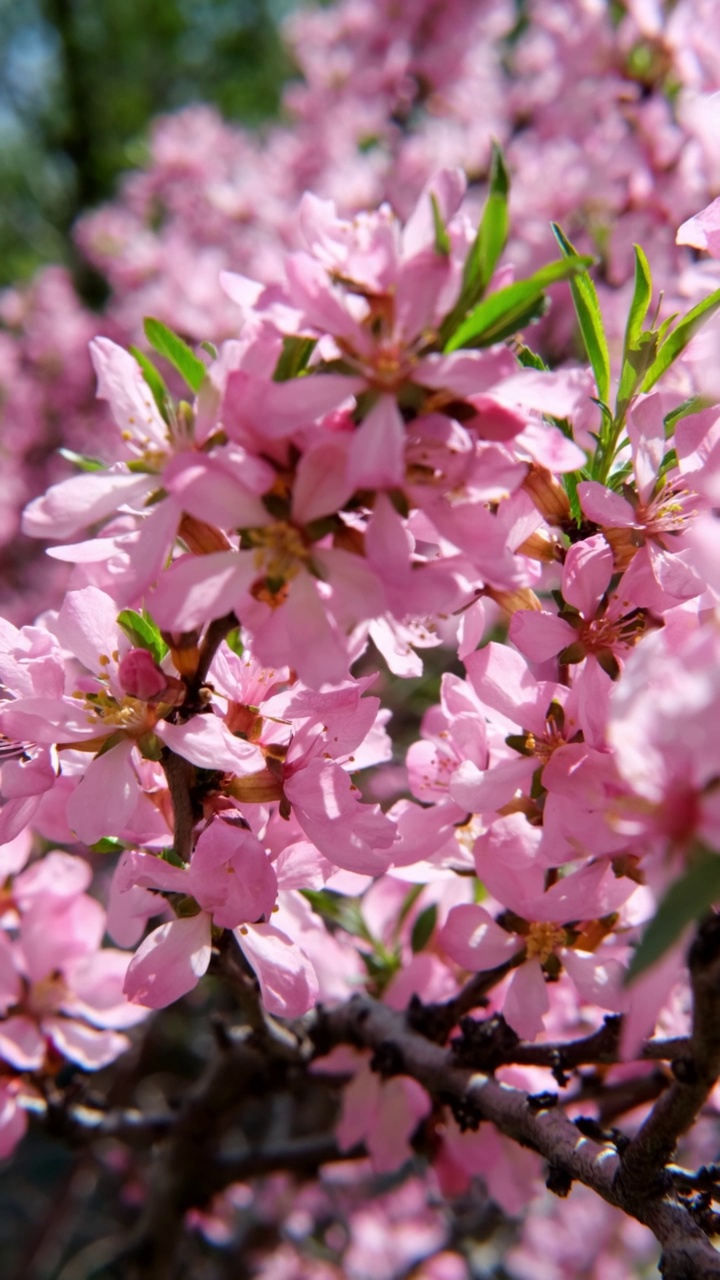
(80, 82)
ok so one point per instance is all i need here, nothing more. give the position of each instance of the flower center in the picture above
(542, 939)
(46, 996)
(280, 551)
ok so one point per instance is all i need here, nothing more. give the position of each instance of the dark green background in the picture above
(81, 79)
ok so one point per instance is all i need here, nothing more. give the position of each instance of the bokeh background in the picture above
(80, 82)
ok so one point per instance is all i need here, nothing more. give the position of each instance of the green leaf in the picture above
(493, 230)
(155, 381)
(695, 404)
(174, 349)
(80, 461)
(422, 929)
(108, 844)
(234, 642)
(638, 360)
(506, 311)
(530, 359)
(642, 295)
(142, 632)
(587, 310)
(681, 335)
(571, 480)
(409, 901)
(339, 910)
(686, 900)
(486, 248)
(293, 358)
(442, 239)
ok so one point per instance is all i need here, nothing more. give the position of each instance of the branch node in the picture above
(558, 1181)
(542, 1101)
(684, 1070)
(387, 1060)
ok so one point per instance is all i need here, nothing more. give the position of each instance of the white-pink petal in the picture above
(170, 962)
(106, 797)
(85, 1045)
(205, 740)
(288, 982)
(526, 1000)
(472, 939)
(377, 452)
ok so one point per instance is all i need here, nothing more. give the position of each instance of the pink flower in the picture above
(703, 230)
(546, 932)
(58, 988)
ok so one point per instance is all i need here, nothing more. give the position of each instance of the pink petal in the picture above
(587, 571)
(170, 962)
(526, 1000)
(84, 1045)
(321, 485)
(540, 635)
(288, 982)
(703, 230)
(486, 791)
(206, 741)
(106, 797)
(472, 939)
(377, 451)
(13, 1122)
(402, 1103)
(21, 1044)
(121, 383)
(96, 990)
(605, 507)
(196, 589)
(81, 501)
(599, 983)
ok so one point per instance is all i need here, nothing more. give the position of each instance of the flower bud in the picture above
(140, 676)
(548, 494)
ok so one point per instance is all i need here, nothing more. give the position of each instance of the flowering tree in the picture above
(477, 951)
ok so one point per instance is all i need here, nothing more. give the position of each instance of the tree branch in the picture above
(687, 1252)
(644, 1159)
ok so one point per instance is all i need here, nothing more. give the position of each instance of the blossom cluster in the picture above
(377, 464)
(607, 115)
(375, 453)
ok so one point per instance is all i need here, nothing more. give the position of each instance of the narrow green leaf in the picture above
(409, 901)
(686, 900)
(486, 248)
(695, 404)
(293, 358)
(681, 335)
(617, 480)
(504, 312)
(174, 349)
(642, 295)
(530, 359)
(423, 928)
(80, 461)
(638, 360)
(340, 911)
(155, 381)
(571, 480)
(442, 239)
(492, 232)
(587, 310)
(142, 632)
(639, 347)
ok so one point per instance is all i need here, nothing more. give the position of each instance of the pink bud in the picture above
(140, 676)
